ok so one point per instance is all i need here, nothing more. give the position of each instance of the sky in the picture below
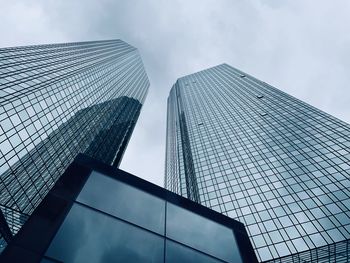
(299, 46)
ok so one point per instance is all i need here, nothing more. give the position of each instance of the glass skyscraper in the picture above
(276, 164)
(57, 101)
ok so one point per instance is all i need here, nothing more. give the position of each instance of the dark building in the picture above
(278, 165)
(57, 101)
(98, 213)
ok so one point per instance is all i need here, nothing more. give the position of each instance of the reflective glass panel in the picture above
(178, 253)
(46, 260)
(201, 233)
(90, 236)
(124, 201)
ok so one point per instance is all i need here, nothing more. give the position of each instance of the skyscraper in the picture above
(276, 164)
(57, 101)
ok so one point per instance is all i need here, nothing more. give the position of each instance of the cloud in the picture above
(299, 46)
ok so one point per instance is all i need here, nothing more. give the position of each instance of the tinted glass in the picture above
(124, 201)
(46, 260)
(89, 236)
(57, 101)
(201, 233)
(270, 163)
(178, 253)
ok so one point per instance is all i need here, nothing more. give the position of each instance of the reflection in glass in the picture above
(88, 236)
(46, 260)
(87, 101)
(177, 253)
(124, 201)
(201, 233)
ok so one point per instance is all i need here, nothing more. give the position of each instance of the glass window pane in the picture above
(177, 253)
(46, 260)
(89, 236)
(201, 233)
(124, 201)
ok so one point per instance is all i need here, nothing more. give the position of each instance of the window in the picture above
(124, 201)
(101, 238)
(178, 253)
(201, 233)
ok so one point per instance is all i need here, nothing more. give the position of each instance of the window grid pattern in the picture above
(173, 182)
(338, 252)
(265, 158)
(57, 101)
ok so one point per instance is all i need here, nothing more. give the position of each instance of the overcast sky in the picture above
(299, 46)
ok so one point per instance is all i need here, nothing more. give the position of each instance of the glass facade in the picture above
(129, 225)
(57, 101)
(98, 213)
(252, 152)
